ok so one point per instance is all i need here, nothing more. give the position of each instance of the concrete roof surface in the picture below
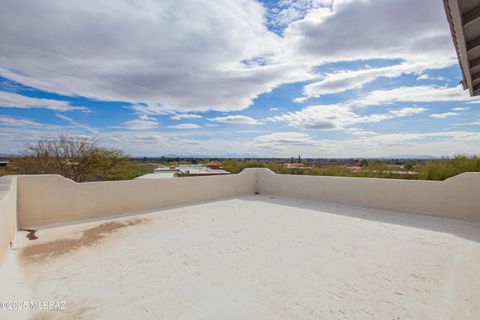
(250, 257)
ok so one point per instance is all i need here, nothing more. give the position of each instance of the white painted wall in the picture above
(457, 197)
(47, 199)
(8, 212)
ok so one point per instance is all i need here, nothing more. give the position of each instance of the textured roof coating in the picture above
(251, 257)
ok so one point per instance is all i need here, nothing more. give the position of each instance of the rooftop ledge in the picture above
(256, 245)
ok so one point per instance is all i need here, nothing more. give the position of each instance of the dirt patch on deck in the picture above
(77, 312)
(43, 315)
(44, 251)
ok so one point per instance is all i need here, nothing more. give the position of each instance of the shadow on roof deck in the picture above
(444, 225)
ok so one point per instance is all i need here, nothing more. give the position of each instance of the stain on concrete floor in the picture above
(44, 251)
(31, 234)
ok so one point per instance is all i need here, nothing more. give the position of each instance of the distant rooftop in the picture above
(166, 172)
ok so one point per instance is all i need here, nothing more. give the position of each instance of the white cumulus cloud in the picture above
(181, 116)
(125, 50)
(143, 122)
(236, 119)
(14, 100)
(338, 116)
(17, 122)
(444, 115)
(185, 126)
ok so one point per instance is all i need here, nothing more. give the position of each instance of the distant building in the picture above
(4, 163)
(166, 169)
(214, 165)
(211, 169)
(294, 165)
(355, 167)
(161, 173)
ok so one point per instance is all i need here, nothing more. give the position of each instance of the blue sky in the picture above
(235, 78)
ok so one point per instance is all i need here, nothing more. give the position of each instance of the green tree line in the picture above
(84, 159)
(437, 169)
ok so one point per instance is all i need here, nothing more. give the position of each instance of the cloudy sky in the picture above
(320, 78)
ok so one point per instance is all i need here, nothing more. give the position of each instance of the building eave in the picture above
(464, 21)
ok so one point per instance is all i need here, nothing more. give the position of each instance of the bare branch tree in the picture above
(78, 158)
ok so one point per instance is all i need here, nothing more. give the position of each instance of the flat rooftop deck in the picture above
(250, 257)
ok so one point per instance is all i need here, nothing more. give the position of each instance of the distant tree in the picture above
(231, 165)
(78, 158)
(448, 167)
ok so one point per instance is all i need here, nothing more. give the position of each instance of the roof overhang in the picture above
(464, 19)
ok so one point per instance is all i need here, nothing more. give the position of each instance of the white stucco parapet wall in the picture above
(457, 197)
(49, 199)
(8, 212)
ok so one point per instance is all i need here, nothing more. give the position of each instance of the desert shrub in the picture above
(448, 167)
